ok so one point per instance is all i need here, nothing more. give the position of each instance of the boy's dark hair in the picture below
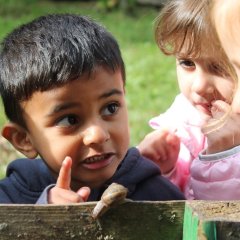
(49, 52)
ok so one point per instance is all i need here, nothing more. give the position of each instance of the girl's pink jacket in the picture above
(199, 176)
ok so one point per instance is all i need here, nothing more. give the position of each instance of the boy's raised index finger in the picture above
(64, 177)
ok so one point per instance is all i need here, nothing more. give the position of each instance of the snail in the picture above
(113, 195)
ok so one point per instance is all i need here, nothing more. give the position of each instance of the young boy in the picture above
(62, 83)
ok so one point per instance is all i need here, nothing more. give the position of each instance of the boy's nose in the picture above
(95, 135)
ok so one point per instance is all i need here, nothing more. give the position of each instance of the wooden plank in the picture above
(190, 226)
(228, 230)
(195, 227)
(211, 220)
(129, 221)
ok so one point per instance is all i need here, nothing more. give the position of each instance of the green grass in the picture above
(151, 79)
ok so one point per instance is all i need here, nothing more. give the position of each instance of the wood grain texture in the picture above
(131, 220)
(171, 220)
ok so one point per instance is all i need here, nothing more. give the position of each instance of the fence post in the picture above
(211, 220)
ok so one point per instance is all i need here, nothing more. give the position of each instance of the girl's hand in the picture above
(61, 193)
(223, 129)
(162, 147)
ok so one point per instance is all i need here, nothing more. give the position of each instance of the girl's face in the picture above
(227, 22)
(201, 81)
(232, 49)
(85, 119)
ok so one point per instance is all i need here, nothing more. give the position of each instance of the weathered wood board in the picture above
(212, 220)
(129, 221)
(172, 220)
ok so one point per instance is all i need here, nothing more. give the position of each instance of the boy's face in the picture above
(85, 119)
(201, 81)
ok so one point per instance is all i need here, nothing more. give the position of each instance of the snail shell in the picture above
(113, 195)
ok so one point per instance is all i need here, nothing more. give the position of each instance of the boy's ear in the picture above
(19, 138)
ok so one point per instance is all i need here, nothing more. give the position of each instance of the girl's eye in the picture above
(110, 109)
(186, 63)
(67, 121)
(218, 70)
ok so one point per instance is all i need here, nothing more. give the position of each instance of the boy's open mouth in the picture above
(98, 161)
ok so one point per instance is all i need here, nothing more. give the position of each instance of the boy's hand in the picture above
(162, 147)
(223, 130)
(61, 193)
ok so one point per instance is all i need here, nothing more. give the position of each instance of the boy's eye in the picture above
(69, 120)
(110, 109)
(186, 63)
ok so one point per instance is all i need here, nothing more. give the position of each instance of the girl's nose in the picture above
(202, 84)
(95, 135)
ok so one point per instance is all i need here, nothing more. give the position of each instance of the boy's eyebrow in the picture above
(65, 106)
(62, 107)
(110, 93)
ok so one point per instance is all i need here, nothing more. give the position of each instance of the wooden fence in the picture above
(187, 220)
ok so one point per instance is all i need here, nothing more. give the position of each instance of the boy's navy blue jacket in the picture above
(27, 179)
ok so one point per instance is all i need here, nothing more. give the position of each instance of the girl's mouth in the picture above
(98, 161)
(206, 108)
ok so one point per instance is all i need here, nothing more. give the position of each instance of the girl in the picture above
(205, 79)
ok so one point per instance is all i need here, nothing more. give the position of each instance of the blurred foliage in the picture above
(16, 8)
(125, 5)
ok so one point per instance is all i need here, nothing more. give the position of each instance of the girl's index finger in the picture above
(64, 177)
